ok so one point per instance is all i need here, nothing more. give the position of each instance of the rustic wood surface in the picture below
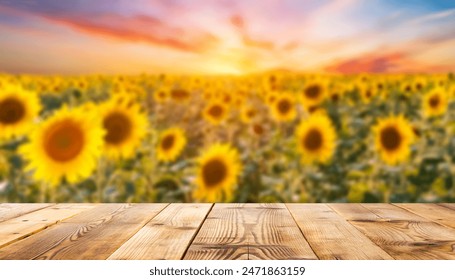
(227, 231)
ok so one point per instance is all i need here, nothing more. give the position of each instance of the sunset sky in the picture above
(224, 36)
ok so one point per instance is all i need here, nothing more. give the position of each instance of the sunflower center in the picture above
(168, 142)
(313, 140)
(179, 94)
(312, 109)
(434, 101)
(284, 106)
(64, 141)
(390, 138)
(118, 127)
(11, 111)
(250, 113)
(214, 172)
(272, 79)
(419, 86)
(216, 111)
(227, 99)
(258, 129)
(313, 91)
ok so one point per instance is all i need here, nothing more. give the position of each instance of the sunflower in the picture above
(180, 95)
(419, 84)
(218, 169)
(66, 145)
(270, 97)
(314, 93)
(18, 109)
(247, 114)
(161, 95)
(272, 81)
(172, 142)
(125, 126)
(336, 93)
(80, 84)
(435, 103)
(316, 139)
(257, 129)
(226, 98)
(380, 85)
(215, 112)
(407, 88)
(283, 109)
(367, 93)
(207, 95)
(393, 137)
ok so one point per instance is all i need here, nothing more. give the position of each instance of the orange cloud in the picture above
(141, 28)
(395, 62)
(136, 28)
(369, 63)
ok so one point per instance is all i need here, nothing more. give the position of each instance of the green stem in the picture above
(100, 179)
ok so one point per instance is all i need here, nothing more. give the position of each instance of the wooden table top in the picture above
(227, 231)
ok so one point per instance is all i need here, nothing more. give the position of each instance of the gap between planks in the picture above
(93, 234)
(331, 237)
(399, 232)
(249, 231)
(167, 236)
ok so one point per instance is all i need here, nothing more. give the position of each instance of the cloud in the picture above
(129, 28)
(141, 28)
(370, 63)
(432, 17)
(239, 24)
(393, 62)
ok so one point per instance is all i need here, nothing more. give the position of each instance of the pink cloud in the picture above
(369, 63)
(395, 62)
(135, 28)
(141, 28)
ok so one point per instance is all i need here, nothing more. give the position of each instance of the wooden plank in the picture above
(249, 231)
(13, 210)
(392, 213)
(436, 213)
(331, 237)
(20, 227)
(93, 234)
(354, 212)
(167, 236)
(401, 233)
(448, 205)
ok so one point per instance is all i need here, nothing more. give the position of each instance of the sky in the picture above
(226, 36)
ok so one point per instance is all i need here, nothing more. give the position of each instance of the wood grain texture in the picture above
(400, 233)
(227, 231)
(20, 227)
(448, 205)
(249, 231)
(331, 237)
(94, 234)
(436, 213)
(13, 210)
(167, 236)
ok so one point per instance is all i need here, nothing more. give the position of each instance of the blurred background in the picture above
(227, 101)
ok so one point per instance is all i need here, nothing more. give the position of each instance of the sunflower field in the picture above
(270, 137)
